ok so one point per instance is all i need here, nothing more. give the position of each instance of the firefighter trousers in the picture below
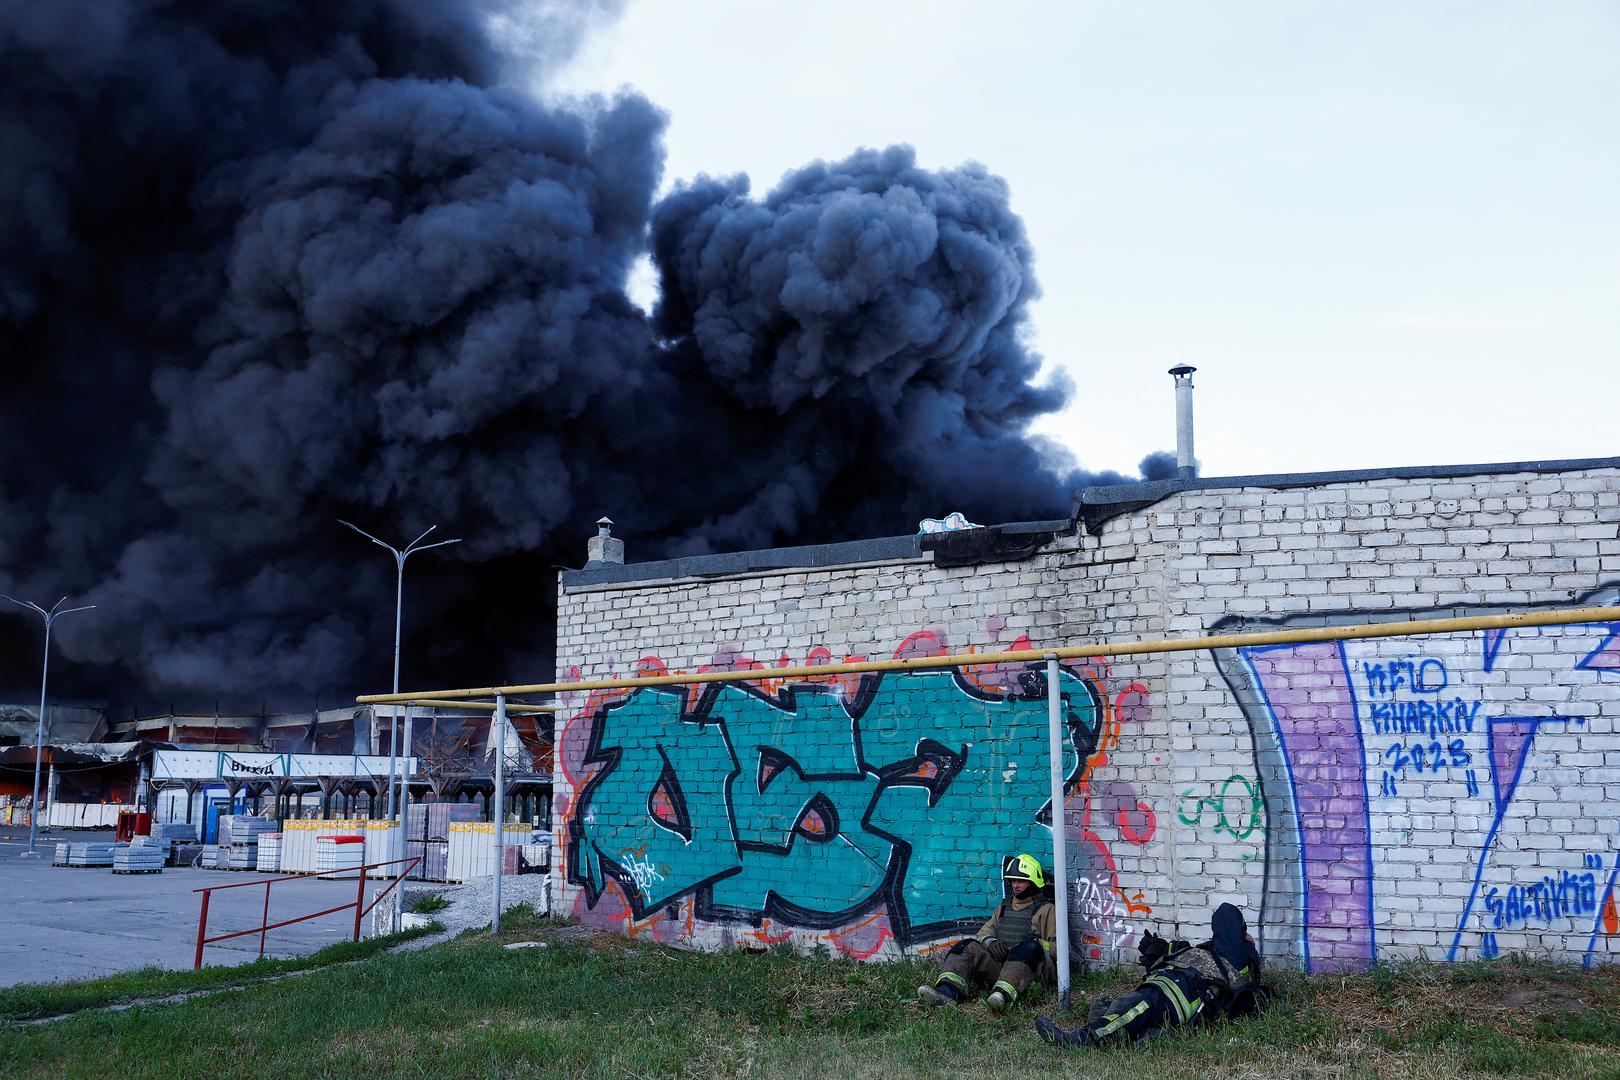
(969, 966)
(1165, 1000)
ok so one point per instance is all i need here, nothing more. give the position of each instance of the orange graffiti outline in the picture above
(884, 934)
(1108, 739)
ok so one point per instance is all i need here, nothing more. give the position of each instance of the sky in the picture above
(1386, 232)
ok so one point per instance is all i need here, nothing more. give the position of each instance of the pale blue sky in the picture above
(1387, 233)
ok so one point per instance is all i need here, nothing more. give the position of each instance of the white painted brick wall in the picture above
(1510, 843)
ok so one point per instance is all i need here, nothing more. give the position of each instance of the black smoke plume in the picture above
(268, 264)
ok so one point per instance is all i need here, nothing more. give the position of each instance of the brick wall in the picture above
(1447, 797)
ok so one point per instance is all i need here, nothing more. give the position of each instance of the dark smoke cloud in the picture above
(267, 264)
(1159, 465)
(869, 313)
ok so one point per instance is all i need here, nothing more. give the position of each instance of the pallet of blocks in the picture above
(161, 844)
(298, 846)
(435, 859)
(269, 853)
(244, 828)
(176, 832)
(472, 849)
(431, 820)
(298, 840)
(90, 854)
(238, 857)
(60, 858)
(384, 843)
(140, 858)
(428, 836)
(342, 854)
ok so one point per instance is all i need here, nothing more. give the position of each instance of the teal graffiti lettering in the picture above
(808, 808)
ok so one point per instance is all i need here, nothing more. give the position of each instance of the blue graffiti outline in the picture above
(1491, 642)
(1504, 801)
(1597, 920)
(1602, 646)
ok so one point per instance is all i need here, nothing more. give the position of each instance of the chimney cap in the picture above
(604, 522)
(1182, 369)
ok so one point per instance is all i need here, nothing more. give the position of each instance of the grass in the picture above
(427, 905)
(33, 1001)
(599, 1006)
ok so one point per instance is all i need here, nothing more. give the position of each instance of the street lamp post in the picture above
(399, 602)
(50, 617)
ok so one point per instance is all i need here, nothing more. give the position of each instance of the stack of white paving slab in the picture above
(298, 841)
(244, 828)
(238, 857)
(269, 853)
(91, 854)
(344, 854)
(140, 858)
(384, 844)
(176, 832)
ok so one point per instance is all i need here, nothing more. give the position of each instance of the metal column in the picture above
(405, 787)
(1060, 855)
(393, 753)
(499, 720)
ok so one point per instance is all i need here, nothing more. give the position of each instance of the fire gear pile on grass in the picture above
(1185, 984)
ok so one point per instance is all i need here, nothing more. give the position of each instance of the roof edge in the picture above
(1095, 505)
(805, 557)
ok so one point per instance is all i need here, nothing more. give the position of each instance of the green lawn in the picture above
(32, 1001)
(600, 1006)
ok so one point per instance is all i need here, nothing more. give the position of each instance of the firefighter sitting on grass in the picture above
(1010, 951)
(1185, 984)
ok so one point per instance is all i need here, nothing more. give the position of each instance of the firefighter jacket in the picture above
(1222, 971)
(1014, 922)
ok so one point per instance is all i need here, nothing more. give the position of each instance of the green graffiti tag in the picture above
(1236, 813)
(809, 808)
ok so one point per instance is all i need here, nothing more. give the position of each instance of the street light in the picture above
(50, 616)
(399, 601)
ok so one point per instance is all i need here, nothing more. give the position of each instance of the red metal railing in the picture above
(265, 925)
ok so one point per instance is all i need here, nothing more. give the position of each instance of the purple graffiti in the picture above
(1313, 709)
(1510, 741)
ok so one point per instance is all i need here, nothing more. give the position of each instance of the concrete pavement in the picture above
(59, 923)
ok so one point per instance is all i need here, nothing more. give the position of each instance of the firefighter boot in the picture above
(1053, 1035)
(939, 994)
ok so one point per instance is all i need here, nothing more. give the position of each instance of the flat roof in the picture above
(1093, 506)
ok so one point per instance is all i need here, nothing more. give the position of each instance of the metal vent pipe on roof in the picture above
(1186, 466)
(604, 549)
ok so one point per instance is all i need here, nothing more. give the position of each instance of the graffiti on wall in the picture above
(866, 807)
(1233, 812)
(1423, 782)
